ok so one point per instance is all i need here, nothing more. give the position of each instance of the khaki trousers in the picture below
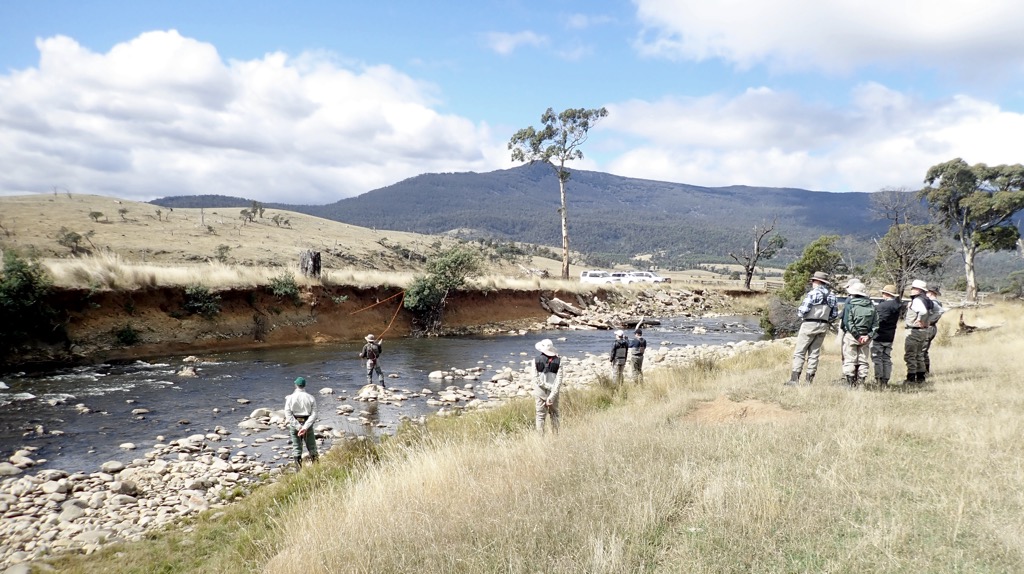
(808, 346)
(855, 357)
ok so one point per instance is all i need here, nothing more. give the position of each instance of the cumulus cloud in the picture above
(163, 114)
(836, 35)
(505, 43)
(764, 137)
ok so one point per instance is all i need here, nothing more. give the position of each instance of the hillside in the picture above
(610, 217)
(145, 233)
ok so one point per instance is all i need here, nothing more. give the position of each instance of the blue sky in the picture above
(313, 101)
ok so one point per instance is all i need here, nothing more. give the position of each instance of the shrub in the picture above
(284, 286)
(427, 295)
(24, 312)
(126, 336)
(199, 301)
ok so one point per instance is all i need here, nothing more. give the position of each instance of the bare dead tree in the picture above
(762, 247)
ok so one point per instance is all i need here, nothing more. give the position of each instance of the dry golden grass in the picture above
(853, 481)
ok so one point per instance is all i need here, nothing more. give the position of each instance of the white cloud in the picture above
(766, 138)
(836, 35)
(165, 115)
(584, 21)
(505, 43)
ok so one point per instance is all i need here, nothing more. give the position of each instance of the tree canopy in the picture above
(977, 203)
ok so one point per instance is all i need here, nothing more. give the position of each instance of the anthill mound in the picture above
(723, 410)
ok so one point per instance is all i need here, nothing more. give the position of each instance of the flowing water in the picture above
(232, 385)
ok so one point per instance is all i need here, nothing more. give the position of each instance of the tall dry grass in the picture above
(110, 271)
(771, 479)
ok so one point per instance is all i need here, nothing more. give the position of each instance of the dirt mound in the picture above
(723, 410)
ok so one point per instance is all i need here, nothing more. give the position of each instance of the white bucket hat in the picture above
(370, 338)
(857, 289)
(546, 347)
(919, 284)
(619, 333)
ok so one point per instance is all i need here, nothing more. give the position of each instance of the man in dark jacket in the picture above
(881, 348)
(859, 325)
(618, 356)
(639, 346)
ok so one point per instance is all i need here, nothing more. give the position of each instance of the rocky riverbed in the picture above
(53, 511)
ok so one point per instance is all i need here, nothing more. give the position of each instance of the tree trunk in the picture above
(748, 274)
(972, 284)
(565, 231)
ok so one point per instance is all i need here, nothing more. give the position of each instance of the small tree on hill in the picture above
(763, 248)
(977, 203)
(428, 294)
(555, 144)
(96, 215)
(123, 212)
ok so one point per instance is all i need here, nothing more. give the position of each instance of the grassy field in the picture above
(713, 468)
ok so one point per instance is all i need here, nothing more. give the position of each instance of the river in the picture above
(39, 409)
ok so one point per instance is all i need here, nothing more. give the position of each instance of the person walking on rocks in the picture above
(817, 310)
(859, 325)
(620, 349)
(300, 414)
(639, 346)
(933, 324)
(881, 347)
(547, 381)
(918, 321)
(371, 352)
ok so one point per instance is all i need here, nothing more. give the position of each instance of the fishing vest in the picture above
(913, 316)
(546, 364)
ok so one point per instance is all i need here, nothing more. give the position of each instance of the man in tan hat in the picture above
(859, 325)
(918, 320)
(817, 310)
(371, 352)
(547, 381)
(881, 348)
(933, 321)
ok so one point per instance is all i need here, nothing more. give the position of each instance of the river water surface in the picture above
(33, 406)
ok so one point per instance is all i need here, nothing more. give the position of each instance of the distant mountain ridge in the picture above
(611, 218)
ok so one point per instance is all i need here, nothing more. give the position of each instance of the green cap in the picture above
(300, 382)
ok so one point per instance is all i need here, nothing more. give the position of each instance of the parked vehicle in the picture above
(597, 276)
(645, 277)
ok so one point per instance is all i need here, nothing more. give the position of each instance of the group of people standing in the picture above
(866, 331)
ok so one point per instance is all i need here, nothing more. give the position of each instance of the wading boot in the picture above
(298, 463)
(810, 378)
(850, 380)
(861, 381)
(921, 378)
(794, 379)
(882, 383)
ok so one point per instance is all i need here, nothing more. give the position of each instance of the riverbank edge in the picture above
(124, 325)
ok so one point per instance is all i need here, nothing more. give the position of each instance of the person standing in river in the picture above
(547, 381)
(620, 349)
(639, 346)
(881, 347)
(300, 414)
(371, 352)
(817, 311)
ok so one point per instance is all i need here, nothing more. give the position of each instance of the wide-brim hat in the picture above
(858, 289)
(821, 276)
(546, 347)
(919, 284)
(619, 333)
(889, 289)
(934, 290)
(370, 338)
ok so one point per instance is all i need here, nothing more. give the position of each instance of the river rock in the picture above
(260, 412)
(112, 467)
(140, 411)
(327, 391)
(188, 372)
(436, 375)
